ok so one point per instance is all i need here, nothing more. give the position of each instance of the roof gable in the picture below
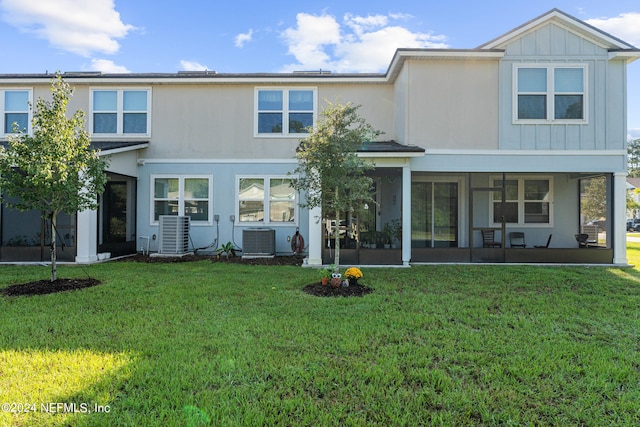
(566, 21)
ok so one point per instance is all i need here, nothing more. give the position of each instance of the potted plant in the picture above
(387, 233)
(368, 239)
(353, 274)
(396, 231)
(325, 275)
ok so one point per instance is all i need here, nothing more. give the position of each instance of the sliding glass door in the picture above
(434, 214)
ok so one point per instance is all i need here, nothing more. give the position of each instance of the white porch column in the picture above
(406, 213)
(619, 227)
(87, 236)
(315, 237)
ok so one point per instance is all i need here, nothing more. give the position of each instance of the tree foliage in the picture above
(633, 158)
(53, 170)
(329, 170)
(594, 200)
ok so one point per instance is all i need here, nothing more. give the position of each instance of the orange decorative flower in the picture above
(353, 273)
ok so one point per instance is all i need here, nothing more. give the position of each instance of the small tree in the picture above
(329, 171)
(54, 170)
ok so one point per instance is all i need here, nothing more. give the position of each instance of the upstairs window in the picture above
(120, 112)
(15, 110)
(550, 94)
(284, 112)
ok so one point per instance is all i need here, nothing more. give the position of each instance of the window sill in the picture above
(106, 136)
(550, 122)
(266, 224)
(280, 135)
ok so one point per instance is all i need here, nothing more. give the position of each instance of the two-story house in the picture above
(501, 137)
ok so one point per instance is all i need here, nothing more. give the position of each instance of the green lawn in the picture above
(211, 344)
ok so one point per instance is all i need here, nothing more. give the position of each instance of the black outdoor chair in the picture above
(489, 239)
(583, 240)
(547, 245)
(516, 239)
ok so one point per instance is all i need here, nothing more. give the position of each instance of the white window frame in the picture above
(521, 201)
(550, 94)
(3, 111)
(266, 202)
(181, 198)
(120, 111)
(285, 111)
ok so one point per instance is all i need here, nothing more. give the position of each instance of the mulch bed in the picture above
(320, 290)
(278, 260)
(43, 287)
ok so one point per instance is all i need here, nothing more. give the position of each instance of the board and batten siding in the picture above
(605, 83)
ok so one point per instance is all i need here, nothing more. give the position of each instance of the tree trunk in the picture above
(336, 262)
(53, 247)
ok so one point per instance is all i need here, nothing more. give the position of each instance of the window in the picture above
(120, 112)
(15, 110)
(265, 200)
(550, 93)
(182, 196)
(528, 200)
(284, 111)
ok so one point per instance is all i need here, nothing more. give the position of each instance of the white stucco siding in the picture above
(452, 104)
(375, 100)
(401, 95)
(209, 121)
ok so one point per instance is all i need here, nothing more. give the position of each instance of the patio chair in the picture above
(489, 239)
(516, 239)
(582, 240)
(547, 245)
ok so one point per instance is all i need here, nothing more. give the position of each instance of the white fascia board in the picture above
(143, 161)
(595, 35)
(122, 149)
(495, 153)
(397, 154)
(628, 55)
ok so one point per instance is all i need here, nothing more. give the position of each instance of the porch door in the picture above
(434, 214)
(116, 229)
(115, 212)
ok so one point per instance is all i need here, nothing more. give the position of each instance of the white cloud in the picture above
(308, 41)
(78, 26)
(625, 26)
(243, 38)
(192, 66)
(359, 44)
(107, 66)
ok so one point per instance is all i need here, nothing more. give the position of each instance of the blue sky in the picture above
(273, 36)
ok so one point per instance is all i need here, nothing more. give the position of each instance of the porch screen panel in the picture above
(536, 201)
(434, 214)
(20, 228)
(445, 215)
(510, 208)
(421, 209)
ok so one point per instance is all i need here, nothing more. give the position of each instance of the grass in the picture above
(212, 344)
